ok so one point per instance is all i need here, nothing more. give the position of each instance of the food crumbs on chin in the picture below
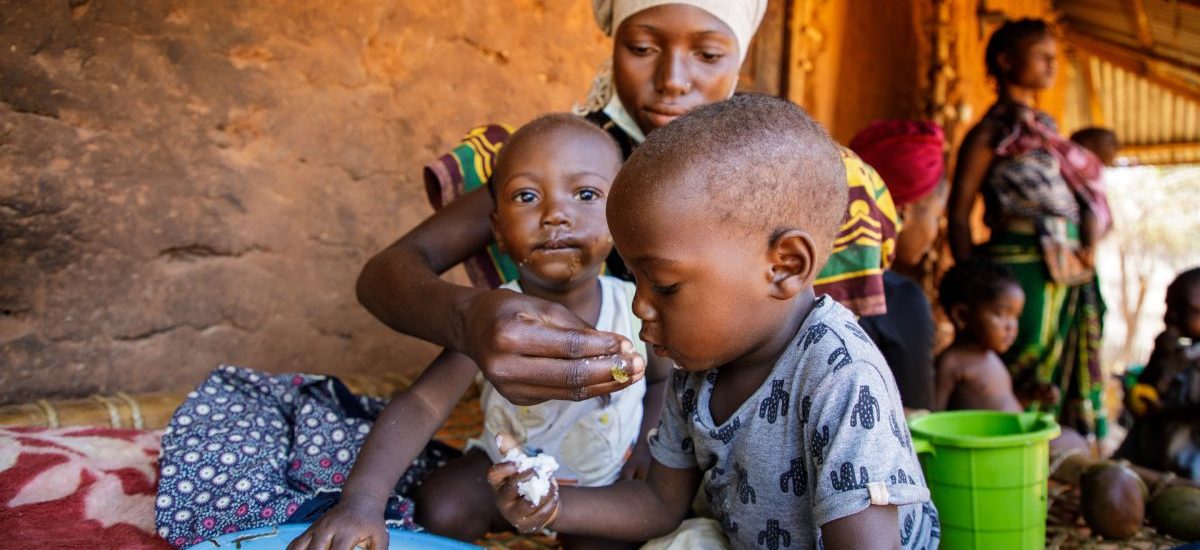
(576, 266)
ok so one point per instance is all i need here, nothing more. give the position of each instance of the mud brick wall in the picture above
(187, 183)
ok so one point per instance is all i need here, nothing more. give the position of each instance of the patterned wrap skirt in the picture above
(1058, 340)
(250, 449)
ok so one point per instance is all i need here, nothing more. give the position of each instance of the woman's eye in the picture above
(638, 49)
(710, 57)
(587, 195)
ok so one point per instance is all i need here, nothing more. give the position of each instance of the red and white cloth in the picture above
(78, 488)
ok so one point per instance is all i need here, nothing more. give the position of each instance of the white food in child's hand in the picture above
(536, 487)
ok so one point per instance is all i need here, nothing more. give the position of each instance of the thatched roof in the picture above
(1135, 68)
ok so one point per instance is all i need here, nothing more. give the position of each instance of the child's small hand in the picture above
(1142, 399)
(347, 526)
(638, 464)
(515, 508)
(1087, 256)
(1044, 395)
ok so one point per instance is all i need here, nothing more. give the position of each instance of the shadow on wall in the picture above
(184, 184)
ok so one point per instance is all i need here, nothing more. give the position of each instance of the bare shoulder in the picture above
(951, 360)
(980, 136)
(983, 366)
(971, 365)
(991, 364)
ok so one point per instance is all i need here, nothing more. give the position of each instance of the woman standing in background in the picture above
(1045, 210)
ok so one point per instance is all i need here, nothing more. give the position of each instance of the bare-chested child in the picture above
(984, 301)
(551, 186)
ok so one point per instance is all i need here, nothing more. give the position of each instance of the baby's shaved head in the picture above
(761, 164)
(539, 128)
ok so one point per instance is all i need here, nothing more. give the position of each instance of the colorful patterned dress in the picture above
(1058, 341)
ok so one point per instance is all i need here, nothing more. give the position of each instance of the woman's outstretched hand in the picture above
(534, 350)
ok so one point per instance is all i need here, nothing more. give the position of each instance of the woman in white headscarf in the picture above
(668, 57)
(641, 88)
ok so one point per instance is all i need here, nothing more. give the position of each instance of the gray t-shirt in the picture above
(821, 439)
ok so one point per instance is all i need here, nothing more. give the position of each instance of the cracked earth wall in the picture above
(184, 184)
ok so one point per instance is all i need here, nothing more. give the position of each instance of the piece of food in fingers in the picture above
(618, 372)
(543, 466)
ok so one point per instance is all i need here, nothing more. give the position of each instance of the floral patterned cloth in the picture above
(249, 449)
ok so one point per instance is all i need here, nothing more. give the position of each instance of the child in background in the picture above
(551, 184)
(783, 411)
(984, 301)
(1166, 399)
(1102, 142)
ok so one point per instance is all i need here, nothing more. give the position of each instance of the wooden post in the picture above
(1091, 87)
(804, 44)
(1137, 11)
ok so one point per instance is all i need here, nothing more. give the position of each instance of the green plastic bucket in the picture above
(987, 474)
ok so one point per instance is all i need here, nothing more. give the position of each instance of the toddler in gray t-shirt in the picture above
(821, 439)
(783, 415)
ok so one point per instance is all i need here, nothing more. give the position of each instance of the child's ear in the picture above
(958, 316)
(1005, 61)
(792, 254)
(905, 212)
(1171, 317)
(499, 237)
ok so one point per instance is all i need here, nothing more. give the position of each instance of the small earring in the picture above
(687, 86)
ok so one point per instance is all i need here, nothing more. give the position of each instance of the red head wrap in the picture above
(908, 154)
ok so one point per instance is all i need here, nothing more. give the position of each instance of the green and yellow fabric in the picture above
(468, 166)
(865, 245)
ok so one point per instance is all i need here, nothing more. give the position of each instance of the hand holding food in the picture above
(526, 492)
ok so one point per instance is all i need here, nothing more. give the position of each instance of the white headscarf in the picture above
(742, 16)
